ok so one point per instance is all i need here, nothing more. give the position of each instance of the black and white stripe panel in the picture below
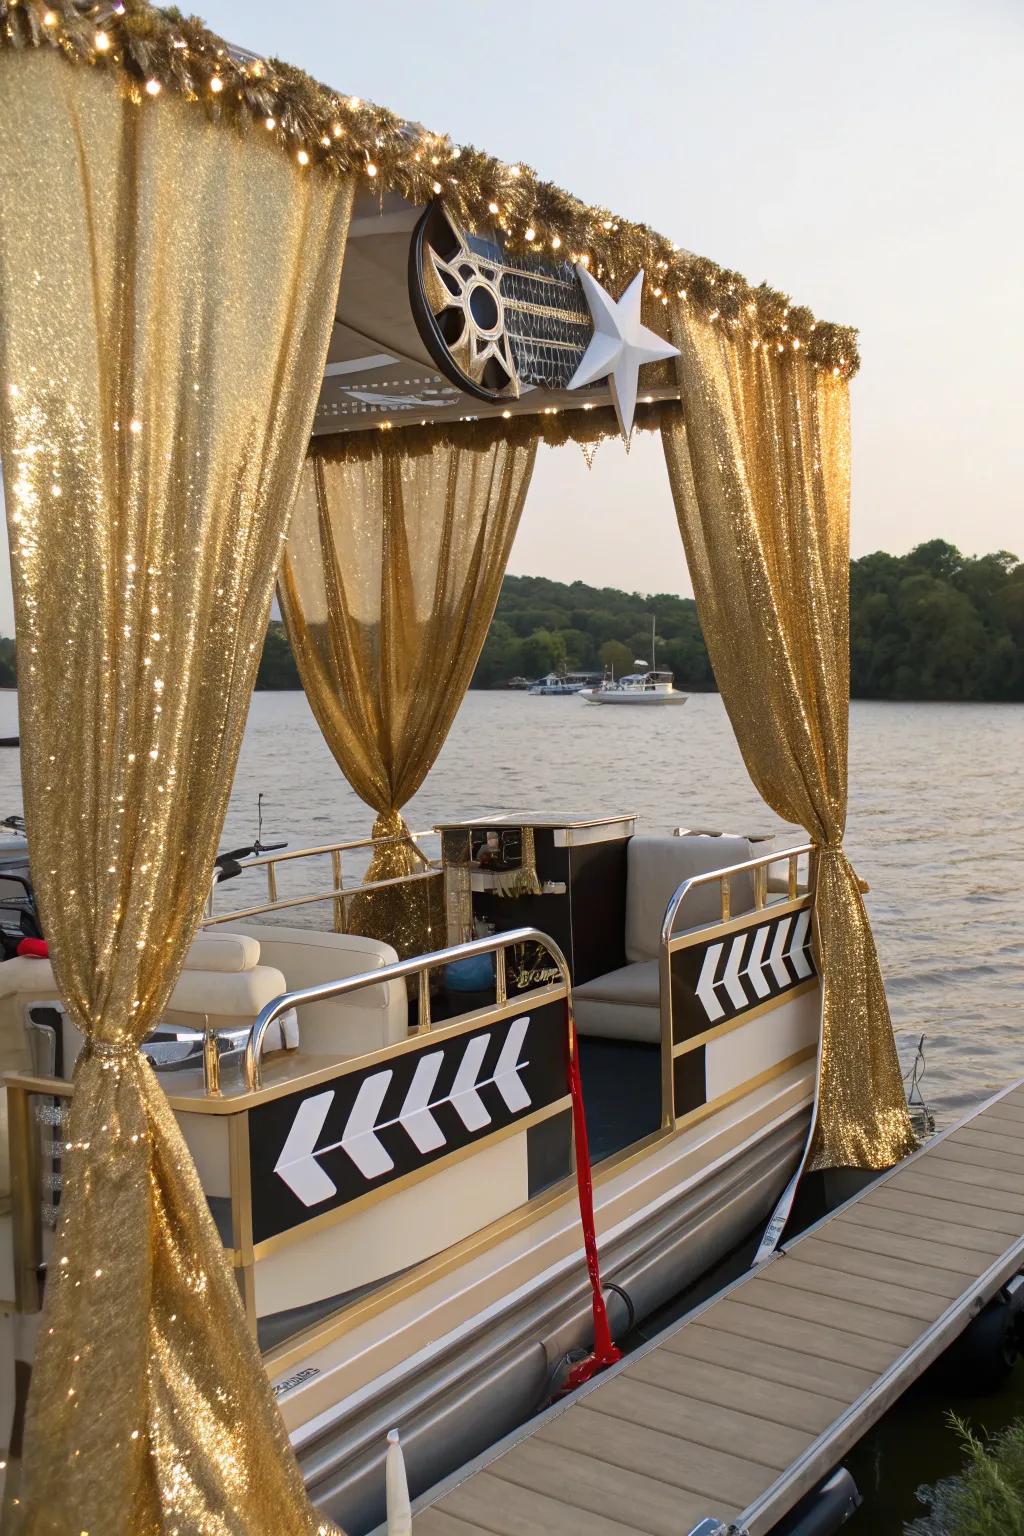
(722, 978)
(313, 1150)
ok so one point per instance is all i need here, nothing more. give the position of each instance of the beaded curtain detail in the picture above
(759, 465)
(166, 297)
(388, 586)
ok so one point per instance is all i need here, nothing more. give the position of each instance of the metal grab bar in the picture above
(788, 856)
(394, 972)
(270, 861)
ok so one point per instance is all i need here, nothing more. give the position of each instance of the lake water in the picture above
(936, 825)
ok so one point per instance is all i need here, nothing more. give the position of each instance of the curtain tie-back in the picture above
(112, 1050)
(835, 848)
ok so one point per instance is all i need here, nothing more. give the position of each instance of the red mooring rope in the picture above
(605, 1351)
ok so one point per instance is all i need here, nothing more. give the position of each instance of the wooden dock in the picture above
(740, 1409)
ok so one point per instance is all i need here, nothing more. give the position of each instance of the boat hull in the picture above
(612, 696)
(464, 1391)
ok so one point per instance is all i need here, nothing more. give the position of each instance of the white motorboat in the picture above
(637, 688)
(648, 686)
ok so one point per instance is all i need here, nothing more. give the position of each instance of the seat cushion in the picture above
(657, 866)
(227, 995)
(622, 1005)
(374, 1016)
(218, 950)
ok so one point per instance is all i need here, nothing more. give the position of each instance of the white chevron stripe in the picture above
(506, 1074)
(466, 1100)
(799, 944)
(360, 1140)
(415, 1114)
(775, 959)
(297, 1165)
(754, 968)
(731, 979)
(706, 983)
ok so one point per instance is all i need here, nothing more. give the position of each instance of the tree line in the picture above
(932, 624)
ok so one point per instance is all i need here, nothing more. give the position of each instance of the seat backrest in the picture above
(657, 865)
(369, 1019)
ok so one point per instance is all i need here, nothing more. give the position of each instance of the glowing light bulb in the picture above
(152, 87)
(102, 42)
(492, 207)
(531, 233)
(556, 242)
(371, 169)
(302, 157)
(270, 123)
(216, 85)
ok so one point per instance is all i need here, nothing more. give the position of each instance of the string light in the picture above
(383, 145)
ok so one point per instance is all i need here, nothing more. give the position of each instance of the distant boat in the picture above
(522, 683)
(637, 688)
(554, 686)
(647, 687)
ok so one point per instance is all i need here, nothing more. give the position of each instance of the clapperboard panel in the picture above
(717, 980)
(323, 1147)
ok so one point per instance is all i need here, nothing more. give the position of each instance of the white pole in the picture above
(397, 1488)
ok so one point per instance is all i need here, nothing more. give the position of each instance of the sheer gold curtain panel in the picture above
(388, 586)
(759, 465)
(167, 288)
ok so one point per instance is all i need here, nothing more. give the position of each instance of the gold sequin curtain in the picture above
(759, 464)
(388, 586)
(166, 295)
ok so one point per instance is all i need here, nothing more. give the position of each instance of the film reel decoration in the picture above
(491, 327)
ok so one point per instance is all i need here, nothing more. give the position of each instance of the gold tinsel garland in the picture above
(156, 49)
(553, 427)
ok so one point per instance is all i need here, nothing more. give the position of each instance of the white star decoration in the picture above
(619, 346)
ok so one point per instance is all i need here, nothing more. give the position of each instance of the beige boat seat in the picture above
(223, 980)
(367, 1020)
(625, 1004)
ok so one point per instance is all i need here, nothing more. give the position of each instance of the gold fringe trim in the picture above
(563, 426)
(153, 49)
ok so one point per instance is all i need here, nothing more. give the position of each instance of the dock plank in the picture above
(738, 1410)
(768, 1361)
(693, 1469)
(434, 1522)
(826, 1342)
(898, 1245)
(983, 1156)
(882, 1268)
(936, 1232)
(1000, 1224)
(592, 1485)
(741, 1435)
(830, 1310)
(721, 1386)
(904, 1297)
(979, 1135)
(953, 1164)
(935, 1181)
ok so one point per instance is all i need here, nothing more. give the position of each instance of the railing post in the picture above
(339, 904)
(761, 886)
(793, 876)
(423, 1004)
(271, 880)
(726, 898)
(500, 978)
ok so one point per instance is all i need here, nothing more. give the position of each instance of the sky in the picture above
(866, 156)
